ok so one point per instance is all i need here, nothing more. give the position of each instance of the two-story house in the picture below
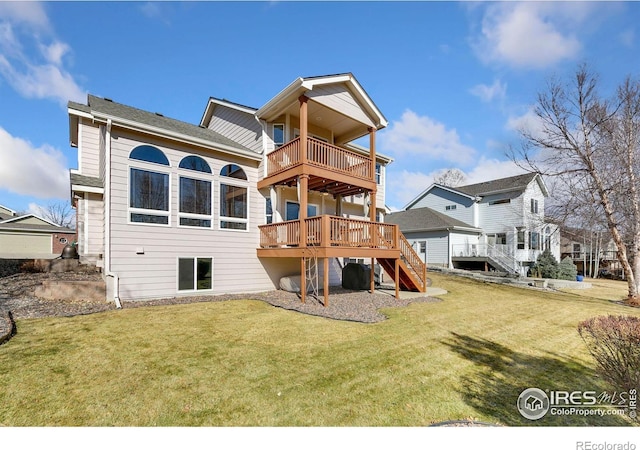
(236, 202)
(497, 224)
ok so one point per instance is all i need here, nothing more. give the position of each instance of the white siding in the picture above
(338, 98)
(90, 148)
(500, 217)
(236, 267)
(95, 218)
(437, 246)
(238, 126)
(438, 199)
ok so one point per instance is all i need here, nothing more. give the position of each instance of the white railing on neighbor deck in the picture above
(487, 251)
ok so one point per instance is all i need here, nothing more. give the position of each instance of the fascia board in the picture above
(90, 189)
(131, 125)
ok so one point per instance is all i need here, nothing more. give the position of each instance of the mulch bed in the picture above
(17, 296)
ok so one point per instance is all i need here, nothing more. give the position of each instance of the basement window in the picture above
(195, 274)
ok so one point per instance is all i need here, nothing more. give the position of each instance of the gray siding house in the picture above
(168, 208)
(503, 222)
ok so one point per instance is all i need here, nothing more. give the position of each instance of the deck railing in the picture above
(413, 260)
(319, 154)
(329, 231)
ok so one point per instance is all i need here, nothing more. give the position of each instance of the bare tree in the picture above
(60, 213)
(590, 147)
(450, 177)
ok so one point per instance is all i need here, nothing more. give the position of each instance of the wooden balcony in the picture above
(329, 236)
(331, 169)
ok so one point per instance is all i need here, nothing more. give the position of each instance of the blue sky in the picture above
(454, 80)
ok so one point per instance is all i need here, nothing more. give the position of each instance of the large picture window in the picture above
(195, 194)
(149, 197)
(293, 210)
(148, 188)
(195, 274)
(233, 198)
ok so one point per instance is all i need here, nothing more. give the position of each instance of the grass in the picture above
(604, 289)
(246, 363)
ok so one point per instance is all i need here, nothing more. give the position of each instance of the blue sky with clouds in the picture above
(455, 80)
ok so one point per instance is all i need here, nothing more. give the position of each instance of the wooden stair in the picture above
(412, 271)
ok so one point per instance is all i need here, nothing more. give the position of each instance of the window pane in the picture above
(195, 196)
(278, 134)
(149, 218)
(204, 273)
(185, 274)
(149, 153)
(233, 225)
(195, 163)
(293, 211)
(192, 222)
(269, 211)
(233, 171)
(149, 190)
(233, 201)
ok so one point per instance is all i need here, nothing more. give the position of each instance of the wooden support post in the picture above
(326, 282)
(304, 128)
(397, 280)
(372, 155)
(303, 186)
(373, 275)
(303, 278)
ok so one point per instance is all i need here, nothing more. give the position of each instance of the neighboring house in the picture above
(497, 224)
(590, 251)
(236, 202)
(29, 236)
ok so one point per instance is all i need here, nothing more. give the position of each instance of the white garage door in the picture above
(24, 244)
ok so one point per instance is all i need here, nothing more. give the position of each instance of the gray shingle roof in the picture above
(519, 182)
(83, 180)
(114, 109)
(424, 219)
(35, 227)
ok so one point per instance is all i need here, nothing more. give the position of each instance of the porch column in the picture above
(339, 205)
(326, 281)
(396, 264)
(373, 275)
(304, 128)
(372, 155)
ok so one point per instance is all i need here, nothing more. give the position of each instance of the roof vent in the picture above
(108, 100)
(159, 114)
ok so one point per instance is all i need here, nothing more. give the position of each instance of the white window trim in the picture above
(152, 167)
(237, 183)
(193, 215)
(284, 134)
(195, 268)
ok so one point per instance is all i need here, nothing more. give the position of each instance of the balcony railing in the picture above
(329, 231)
(319, 154)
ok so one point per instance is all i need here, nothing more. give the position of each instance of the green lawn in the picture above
(248, 363)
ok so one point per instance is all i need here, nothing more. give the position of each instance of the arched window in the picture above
(149, 153)
(233, 198)
(233, 171)
(148, 189)
(196, 163)
(195, 197)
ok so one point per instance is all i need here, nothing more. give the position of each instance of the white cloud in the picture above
(404, 186)
(487, 94)
(31, 60)
(424, 137)
(528, 122)
(531, 34)
(28, 170)
(627, 38)
(28, 13)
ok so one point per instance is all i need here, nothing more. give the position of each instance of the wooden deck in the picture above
(331, 169)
